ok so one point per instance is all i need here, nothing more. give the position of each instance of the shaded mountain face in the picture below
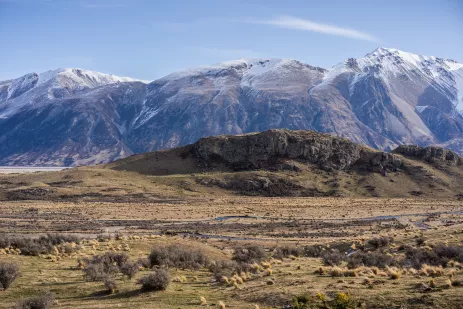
(66, 117)
(385, 99)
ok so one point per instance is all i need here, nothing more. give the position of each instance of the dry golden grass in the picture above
(167, 209)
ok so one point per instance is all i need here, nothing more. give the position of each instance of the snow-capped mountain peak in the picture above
(421, 72)
(386, 98)
(82, 77)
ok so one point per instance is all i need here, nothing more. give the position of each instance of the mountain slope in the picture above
(385, 99)
(66, 117)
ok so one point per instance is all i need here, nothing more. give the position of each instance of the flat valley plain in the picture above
(219, 224)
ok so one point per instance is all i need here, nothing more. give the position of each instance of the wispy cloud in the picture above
(290, 22)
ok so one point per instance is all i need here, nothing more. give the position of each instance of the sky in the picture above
(147, 39)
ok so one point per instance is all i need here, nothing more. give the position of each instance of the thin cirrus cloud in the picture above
(290, 22)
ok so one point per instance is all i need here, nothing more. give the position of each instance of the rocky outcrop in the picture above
(262, 150)
(434, 155)
(383, 162)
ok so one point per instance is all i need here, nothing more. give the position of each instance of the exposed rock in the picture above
(383, 162)
(434, 155)
(261, 150)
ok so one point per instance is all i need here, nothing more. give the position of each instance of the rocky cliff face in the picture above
(434, 155)
(261, 150)
(278, 149)
(385, 99)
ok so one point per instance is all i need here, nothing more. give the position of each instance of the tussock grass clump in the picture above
(431, 271)
(178, 256)
(202, 301)
(40, 302)
(336, 271)
(156, 281)
(394, 273)
(9, 272)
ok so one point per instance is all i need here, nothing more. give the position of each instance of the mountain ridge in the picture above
(385, 99)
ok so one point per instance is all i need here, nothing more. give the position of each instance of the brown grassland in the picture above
(141, 212)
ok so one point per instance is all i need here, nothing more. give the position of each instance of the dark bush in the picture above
(41, 302)
(99, 267)
(41, 245)
(97, 272)
(110, 284)
(450, 252)
(301, 302)
(156, 281)
(420, 241)
(178, 256)
(129, 269)
(144, 262)
(416, 257)
(314, 251)
(370, 259)
(249, 254)
(379, 242)
(225, 268)
(286, 251)
(333, 258)
(9, 272)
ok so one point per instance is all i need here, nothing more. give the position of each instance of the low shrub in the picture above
(450, 252)
(156, 281)
(314, 251)
(41, 302)
(99, 267)
(178, 256)
(333, 258)
(42, 245)
(379, 242)
(9, 272)
(287, 251)
(249, 254)
(110, 285)
(301, 302)
(129, 269)
(370, 259)
(226, 268)
(417, 257)
(341, 301)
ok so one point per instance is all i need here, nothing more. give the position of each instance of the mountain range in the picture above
(78, 117)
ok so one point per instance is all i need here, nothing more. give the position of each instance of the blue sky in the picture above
(148, 39)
